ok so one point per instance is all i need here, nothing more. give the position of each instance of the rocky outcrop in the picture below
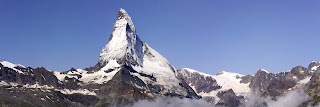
(276, 84)
(246, 79)
(45, 77)
(261, 81)
(200, 82)
(278, 87)
(229, 99)
(11, 75)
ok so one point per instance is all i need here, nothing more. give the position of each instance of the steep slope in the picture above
(313, 86)
(125, 48)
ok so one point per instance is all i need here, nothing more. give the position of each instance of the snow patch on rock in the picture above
(101, 76)
(12, 66)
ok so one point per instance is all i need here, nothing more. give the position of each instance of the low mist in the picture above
(172, 102)
(291, 99)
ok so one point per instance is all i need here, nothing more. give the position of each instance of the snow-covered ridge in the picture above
(46, 88)
(226, 80)
(12, 66)
(101, 76)
(98, 77)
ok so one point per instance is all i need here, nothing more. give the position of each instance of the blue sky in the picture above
(206, 35)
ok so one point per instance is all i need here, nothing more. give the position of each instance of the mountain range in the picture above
(129, 70)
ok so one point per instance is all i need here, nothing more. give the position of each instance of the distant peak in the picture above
(122, 10)
(122, 14)
(263, 70)
(221, 72)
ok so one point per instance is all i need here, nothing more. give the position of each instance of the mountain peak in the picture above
(123, 45)
(263, 70)
(122, 13)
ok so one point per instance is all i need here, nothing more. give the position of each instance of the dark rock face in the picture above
(190, 92)
(260, 82)
(119, 93)
(201, 83)
(95, 68)
(314, 83)
(300, 72)
(278, 87)
(10, 75)
(35, 97)
(246, 79)
(276, 84)
(229, 99)
(21, 96)
(209, 99)
(45, 77)
(39, 76)
(123, 84)
(71, 83)
(313, 87)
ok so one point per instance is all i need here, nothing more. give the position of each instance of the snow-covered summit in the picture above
(123, 45)
(125, 48)
(122, 14)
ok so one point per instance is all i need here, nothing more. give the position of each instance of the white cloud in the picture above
(172, 102)
(290, 99)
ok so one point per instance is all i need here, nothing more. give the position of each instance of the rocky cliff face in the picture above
(313, 86)
(200, 82)
(276, 84)
(229, 99)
